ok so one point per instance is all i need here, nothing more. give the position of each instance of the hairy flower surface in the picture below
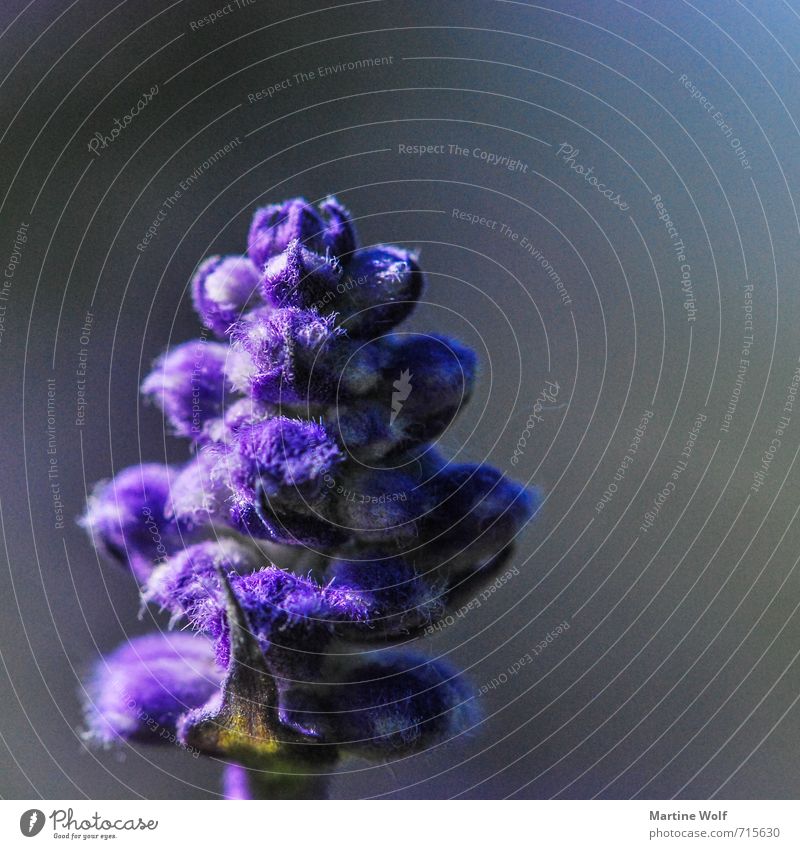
(313, 516)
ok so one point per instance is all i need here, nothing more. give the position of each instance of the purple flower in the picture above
(312, 519)
(140, 690)
(292, 618)
(400, 599)
(222, 288)
(188, 384)
(129, 518)
(274, 227)
(400, 703)
(381, 287)
(301, 278)
(293, 356)
(279, 458)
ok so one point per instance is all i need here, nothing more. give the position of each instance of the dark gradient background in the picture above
(679, 674)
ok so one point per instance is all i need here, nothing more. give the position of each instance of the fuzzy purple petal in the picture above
(141, 689)
(301, 278)
(293, 356)
(292, 617)
(189, 383)
(129, 518)
(222, 288)
(274, 227)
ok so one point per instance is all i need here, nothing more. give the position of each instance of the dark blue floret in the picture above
(401, 703)
(400, 599)
(380, 287)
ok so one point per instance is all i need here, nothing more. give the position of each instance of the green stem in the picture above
(265, 785)
(243, 783)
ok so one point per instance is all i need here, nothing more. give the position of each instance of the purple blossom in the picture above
(399, 703)
(222, 288)
(274, 227)
(189, 385)
(312, 514)
(381, 287)
(129, 518)
(293, 356)
(278, 458)
(140, 690)
(292, 618)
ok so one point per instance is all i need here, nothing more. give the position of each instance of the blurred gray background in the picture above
(678, 675)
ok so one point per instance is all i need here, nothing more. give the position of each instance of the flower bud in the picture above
(275, 226)
(378, 505)
(339, 235)
(293, 356)
(400, 600)
(426, 380)
(280, 457)
(380, 287)
(478, 512)
(240, 413)
(292, 618)
(139, 691)
(128, 519)
(301, 278)
(400, 704)
(262, 519)
(183, 582)
(222, 289)
(196, 495)
(188, 383)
